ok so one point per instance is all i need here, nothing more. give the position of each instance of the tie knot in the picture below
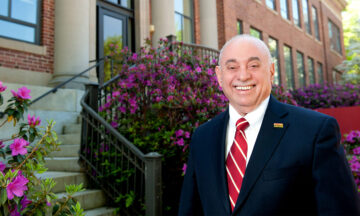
(242, 124)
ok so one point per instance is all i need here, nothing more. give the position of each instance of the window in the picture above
(20, 20)
(284, 9)
(315, 23)
(296, 16)
(239, 27)
(123, 3)
(271, 4)
(306, 16)
(274, 50)
(288, 67)
(300, 68)
(335, 76)
(311, 70)
(334, 35)
(184, 21)
(256, 33)
(320, 73)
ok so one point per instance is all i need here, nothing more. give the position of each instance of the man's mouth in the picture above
(244, 88)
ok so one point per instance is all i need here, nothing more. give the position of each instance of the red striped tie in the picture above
(236, 161)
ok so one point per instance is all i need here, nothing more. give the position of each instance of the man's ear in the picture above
(272, 72)
(218, 75)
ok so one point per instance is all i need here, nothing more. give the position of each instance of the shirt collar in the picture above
(252, 117)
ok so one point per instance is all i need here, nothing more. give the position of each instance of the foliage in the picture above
(283, 96)
(21, 192)
(326, 96)
(351, 24)
(352, 148)
(157, 104)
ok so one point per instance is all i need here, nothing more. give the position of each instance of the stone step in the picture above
(69, 139)
(72, 128)
(66, 151)
(104, 211)
(64, 178)
(89, 199)
(67, 164)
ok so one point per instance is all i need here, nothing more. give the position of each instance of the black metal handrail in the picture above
(102, 146)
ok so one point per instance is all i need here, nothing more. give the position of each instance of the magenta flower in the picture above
(2, 87)
(2, 167)
(32, 121)
(356, 150)
(18, 147)
(24, 202)
(114, 124)
(184, 168)
(2, 144)
(17, 187)
(179, 133)
(180, 142)
(14, 212)
(22, 93)
(187, 134)
(198, 69)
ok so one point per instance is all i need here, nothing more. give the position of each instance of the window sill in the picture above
(22, 46)
(336, 53)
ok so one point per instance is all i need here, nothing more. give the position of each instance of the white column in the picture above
(71, 41)
(142, 22)
(163, 19)
(208, 23)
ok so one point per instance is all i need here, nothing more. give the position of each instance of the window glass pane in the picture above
(187, 36)
(126, 3)
(178, 27)
(334, 35)
(239, 27)
(320, 73)
(311, 70)
(179, 7)
(306, 16)
(289, 68)
(300, 68)
(315, 23)
(17, 31)
(4, 6)
(273, 46)
(296, 17)
(25, 10)
(284, 9)
(129, 33)
(271, 4)
(113, 32)
(256, 33)
(113, 1)
(187, 7)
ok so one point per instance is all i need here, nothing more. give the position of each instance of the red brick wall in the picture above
(197, 22)
(255, 13)
(33, 62)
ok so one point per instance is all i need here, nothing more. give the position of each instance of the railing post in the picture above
(92, 100)
(171, 39)
(153, 184)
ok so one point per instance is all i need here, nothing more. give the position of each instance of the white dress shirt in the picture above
(254, 118)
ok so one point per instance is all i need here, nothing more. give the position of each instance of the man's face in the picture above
(245, 75)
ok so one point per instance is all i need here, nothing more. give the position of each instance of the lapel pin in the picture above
(278, 125)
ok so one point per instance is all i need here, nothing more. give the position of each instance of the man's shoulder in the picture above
(221, 118)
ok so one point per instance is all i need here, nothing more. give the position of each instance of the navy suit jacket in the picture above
(299, 169)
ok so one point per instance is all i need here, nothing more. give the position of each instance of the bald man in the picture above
(263, 157)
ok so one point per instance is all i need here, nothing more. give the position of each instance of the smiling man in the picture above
(263, 157)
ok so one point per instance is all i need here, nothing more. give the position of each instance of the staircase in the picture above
(63, 167)
(64, 108)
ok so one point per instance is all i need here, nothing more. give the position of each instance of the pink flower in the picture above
(187, 134)
(1, 144)
(24, 202)
(198, 69)
(184, 168)
(14, 212)
(2, 88)
(22, 93)
(179, 133)
(180, 142)
(17, 187)
(18, 147)
(32, 121)
(114, 124)
(2, 167)
(48, 203)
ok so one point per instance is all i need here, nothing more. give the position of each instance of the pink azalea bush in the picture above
(21, 192)
(352, 148)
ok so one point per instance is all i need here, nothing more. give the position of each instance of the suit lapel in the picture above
(268, 138)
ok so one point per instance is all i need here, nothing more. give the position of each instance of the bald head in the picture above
(248, 39)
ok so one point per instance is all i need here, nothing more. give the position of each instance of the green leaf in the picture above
(3, 196)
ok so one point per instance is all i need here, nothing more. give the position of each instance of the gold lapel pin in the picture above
(278, 125)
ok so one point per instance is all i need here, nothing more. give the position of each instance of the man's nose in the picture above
(243, 74)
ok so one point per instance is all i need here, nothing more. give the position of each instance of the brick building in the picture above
(44, 42)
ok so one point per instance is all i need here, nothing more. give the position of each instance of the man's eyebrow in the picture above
(254, 58)
(230, 61)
